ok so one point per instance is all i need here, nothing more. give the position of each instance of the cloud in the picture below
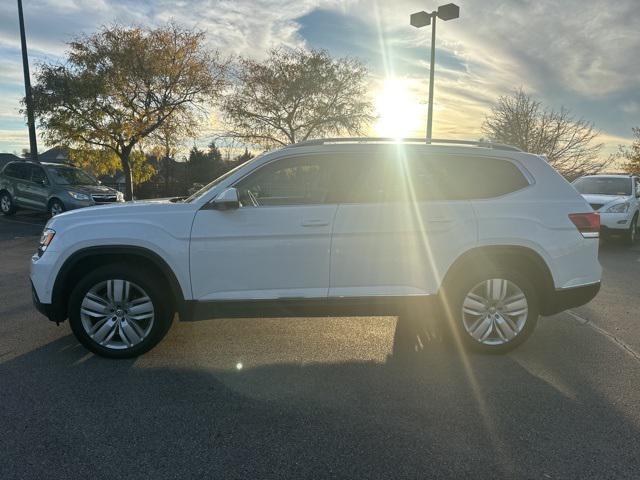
(577, 53)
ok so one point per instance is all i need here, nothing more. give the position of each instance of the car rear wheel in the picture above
(119, 312)
(6, 204)
(493, 311)
(56, 207)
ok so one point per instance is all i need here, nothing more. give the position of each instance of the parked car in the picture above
(617, 199)
(50, 187)
(494, 236)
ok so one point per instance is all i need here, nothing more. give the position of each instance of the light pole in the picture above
(422, 19)
(27, 88)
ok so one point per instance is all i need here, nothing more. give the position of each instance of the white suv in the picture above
(331, 227)
(616, 198)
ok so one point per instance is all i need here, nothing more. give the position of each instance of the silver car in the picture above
(50, 187)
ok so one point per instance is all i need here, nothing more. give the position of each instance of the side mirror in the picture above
(227, 200)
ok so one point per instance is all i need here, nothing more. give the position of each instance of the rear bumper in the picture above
(566, 298)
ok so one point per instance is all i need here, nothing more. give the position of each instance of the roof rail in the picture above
(475, 143)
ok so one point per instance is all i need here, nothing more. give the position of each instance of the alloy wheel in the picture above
(495, 311)
(56, 209)
(117, 314)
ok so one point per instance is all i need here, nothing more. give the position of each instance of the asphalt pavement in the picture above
(317, 398)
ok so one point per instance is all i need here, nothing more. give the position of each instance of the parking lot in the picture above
(321, 398)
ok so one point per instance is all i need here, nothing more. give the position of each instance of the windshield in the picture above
(210, 185)
(70, 176)
(603, 186)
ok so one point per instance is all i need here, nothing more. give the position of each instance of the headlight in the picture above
(79, 196)
(618, 208)
(45, 240)
(119, 197)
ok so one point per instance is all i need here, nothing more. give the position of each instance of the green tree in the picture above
(295, 95)
(119, 85)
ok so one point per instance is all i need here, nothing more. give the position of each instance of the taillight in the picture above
(588, 224)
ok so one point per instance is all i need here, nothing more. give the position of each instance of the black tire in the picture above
(56, 207)
(464, 283)
(6, 204)
(629, 237)
(155, 290)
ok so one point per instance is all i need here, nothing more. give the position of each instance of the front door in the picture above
(276, 245)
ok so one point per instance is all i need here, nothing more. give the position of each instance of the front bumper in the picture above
(51, 311)
(615, 221)
(566, 298)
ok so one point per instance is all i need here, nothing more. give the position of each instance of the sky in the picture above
(580, 54)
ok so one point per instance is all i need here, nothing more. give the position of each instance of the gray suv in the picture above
(50, 187)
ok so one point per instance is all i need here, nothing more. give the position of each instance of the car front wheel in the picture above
(493, 312)
(56, 207)
(630, 235)
(119, 312)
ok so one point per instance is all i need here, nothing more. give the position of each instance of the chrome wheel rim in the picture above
(5, 203)
(56, 209)
(494, 311)
(117, 314)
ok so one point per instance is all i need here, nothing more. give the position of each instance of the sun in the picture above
(398, 110)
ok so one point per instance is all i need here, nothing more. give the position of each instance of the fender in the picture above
(60, 286)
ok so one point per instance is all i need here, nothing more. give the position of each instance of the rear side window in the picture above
(467, 178)
(405, 178)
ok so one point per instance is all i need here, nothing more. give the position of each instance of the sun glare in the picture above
(399, 111)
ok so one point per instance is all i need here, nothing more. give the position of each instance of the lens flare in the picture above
(398, 110)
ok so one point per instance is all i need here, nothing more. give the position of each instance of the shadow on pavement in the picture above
(428, 412)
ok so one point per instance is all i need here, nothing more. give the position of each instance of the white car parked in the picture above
(617, 199)
(331, 227)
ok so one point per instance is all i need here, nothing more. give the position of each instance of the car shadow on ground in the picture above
(428, 411)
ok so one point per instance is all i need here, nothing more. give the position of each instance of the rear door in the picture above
(400, 230)
(20, 177)
(37, 190)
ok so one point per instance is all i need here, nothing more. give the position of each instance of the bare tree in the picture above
(119, 85)
(569, 143)
(295, 95)
(631, 154)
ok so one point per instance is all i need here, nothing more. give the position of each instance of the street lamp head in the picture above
(448, 11)
(420, 19)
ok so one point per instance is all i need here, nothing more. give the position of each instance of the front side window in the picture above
(291, 181)
(603, 186)
(38, 175)
(70, 176)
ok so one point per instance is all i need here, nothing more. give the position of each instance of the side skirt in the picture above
(306, 307)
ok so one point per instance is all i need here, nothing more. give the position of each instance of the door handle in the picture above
(315, 223)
